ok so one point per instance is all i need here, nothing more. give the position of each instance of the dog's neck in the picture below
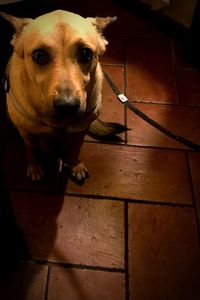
(24, 112)
(32, 118)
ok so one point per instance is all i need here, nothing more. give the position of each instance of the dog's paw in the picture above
(35, 172)
(79, 172)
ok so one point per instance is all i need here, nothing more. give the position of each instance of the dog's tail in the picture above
(106, 130)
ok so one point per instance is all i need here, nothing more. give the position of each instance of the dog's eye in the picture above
(41, 57)
(85, 55)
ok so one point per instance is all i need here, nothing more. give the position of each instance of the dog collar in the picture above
(23, 112)
(18, 107)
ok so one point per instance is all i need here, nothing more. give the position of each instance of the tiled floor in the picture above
(132, 230)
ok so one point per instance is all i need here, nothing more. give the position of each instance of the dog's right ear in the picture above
(18, 25)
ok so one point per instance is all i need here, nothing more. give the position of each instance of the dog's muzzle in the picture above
(66, 107)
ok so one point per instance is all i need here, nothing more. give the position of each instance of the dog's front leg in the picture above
(34, 169)
(78, 170)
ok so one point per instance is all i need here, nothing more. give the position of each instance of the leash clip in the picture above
(122, 98)
(6, 85)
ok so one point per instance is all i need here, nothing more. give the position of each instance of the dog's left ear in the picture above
(100, 24)
(18, 25)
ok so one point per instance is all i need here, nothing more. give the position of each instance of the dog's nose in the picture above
(66, 107)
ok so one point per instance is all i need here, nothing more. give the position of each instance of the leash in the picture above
(124, 100)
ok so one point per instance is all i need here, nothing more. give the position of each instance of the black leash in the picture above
(124, 100)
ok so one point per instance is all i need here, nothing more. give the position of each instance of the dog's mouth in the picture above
(64, 116)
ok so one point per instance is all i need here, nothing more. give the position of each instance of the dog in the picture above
(54, 84)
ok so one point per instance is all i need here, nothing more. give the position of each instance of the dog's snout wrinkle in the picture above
(66, 107)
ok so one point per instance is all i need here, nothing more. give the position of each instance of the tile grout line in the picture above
(161, 148)
(74, 266)
(186, 68)
(180, 105)
(102, 197)
(175, 72)
(46, 290)
(193, 196)
(126, 251)
(166, 104)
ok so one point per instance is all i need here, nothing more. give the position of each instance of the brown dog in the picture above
(55, 82)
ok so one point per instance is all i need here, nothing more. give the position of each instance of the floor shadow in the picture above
(30, 204)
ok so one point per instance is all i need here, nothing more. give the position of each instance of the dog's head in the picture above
(60, 52)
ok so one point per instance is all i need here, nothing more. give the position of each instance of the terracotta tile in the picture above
(189, 86)
(72, 230)
(115, 53)
(85, 284)
(180, 120)
(112, 109)
(126, 172)
(178, 55)
(164, 253)
(15, 166)
(127, 23)
(150, 72)
(194, 159)
(115, 171)
(25, 282)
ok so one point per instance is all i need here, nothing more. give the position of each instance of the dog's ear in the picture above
(18, 25)
(100, 24)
